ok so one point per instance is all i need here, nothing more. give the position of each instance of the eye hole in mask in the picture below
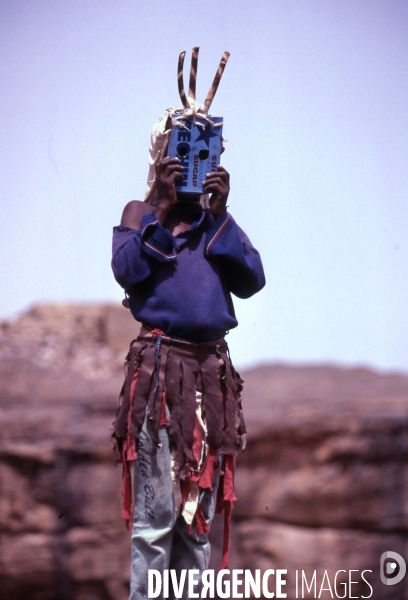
(203, 154)
(183, 149)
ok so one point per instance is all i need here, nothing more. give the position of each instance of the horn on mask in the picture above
(217, 79)
(193, 73)
(180, 82)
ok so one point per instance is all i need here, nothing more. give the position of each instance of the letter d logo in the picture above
(395, 568)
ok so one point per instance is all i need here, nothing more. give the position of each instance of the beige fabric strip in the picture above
(191, 504)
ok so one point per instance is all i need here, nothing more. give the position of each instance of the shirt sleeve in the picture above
(240, 261)
(136, 254)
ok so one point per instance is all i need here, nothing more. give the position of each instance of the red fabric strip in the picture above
(207, 474)
(163, 416)
(227, 528)
(130, 443)
(128, 454)
(225, 500)
(200, 522)
(126, 493)
(229, 494)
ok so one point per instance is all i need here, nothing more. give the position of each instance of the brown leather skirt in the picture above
(165, 370)
(162, 377)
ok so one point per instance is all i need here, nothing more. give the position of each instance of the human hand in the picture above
(217, 182)
(167, 171)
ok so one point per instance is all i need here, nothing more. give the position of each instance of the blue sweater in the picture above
(182, 284)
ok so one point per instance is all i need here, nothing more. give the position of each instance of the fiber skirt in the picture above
(162, 378)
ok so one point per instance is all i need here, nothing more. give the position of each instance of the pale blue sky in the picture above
(315, 102)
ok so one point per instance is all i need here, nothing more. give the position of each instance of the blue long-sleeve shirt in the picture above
(182, 284)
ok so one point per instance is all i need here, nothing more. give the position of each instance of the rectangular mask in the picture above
(198, 148)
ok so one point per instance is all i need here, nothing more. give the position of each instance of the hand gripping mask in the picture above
(196, 136)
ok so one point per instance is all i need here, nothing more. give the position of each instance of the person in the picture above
(180, 414)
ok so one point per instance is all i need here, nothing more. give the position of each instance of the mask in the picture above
(196, 136)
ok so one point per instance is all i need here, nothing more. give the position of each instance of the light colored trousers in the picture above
(160, 539)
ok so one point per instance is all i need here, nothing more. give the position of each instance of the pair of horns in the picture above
(193, 78)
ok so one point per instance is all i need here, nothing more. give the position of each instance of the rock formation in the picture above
(322, 485)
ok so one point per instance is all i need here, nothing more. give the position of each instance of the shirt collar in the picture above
(193, 227)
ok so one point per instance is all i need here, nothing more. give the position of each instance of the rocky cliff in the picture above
(322, 485)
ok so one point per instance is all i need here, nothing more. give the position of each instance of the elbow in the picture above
(127, 273)
(122, 273)
(119, 275)
(249, 287)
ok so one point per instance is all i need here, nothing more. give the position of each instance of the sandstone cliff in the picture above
(322, 485)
